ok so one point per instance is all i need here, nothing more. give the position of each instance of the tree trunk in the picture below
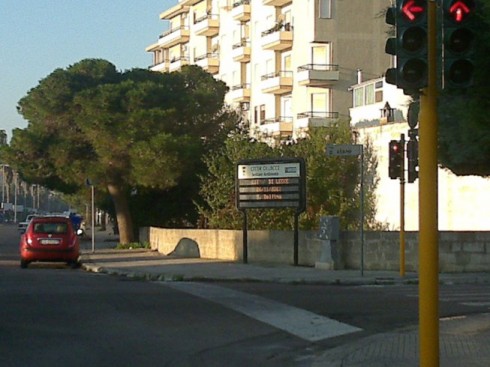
(124, 222)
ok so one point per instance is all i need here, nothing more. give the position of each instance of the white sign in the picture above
(268, 170)
(345, 150)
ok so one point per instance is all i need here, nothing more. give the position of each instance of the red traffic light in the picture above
(413, 9)
(459, 10)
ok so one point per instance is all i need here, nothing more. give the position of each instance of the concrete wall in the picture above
(459, 251)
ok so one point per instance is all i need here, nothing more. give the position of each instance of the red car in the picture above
(50, 239)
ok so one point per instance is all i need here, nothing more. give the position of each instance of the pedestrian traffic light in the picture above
(395, 165)
(409, 46)
(458, 42)
(413, 159)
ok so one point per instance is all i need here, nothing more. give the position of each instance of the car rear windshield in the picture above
(52, 227)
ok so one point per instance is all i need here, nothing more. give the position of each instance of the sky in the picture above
(39, 36)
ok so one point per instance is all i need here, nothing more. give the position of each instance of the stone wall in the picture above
(459, 251)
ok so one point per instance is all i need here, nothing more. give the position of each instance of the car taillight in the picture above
(73, 241)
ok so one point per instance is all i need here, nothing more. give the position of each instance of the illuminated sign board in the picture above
(271, 183)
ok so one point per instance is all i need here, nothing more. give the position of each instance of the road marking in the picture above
(304, 324)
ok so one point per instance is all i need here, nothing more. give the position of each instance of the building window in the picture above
(319, 102)
(325, 9)
(369, 94)
(262, 112)
(358, 97)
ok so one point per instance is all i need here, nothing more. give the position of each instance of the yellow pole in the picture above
(428, 225)
(402, 211)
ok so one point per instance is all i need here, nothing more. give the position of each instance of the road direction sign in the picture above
(344, 150)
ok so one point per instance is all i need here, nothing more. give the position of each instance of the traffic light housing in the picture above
(409, 46)
(395, 165)
(412, 159)
(458, 33)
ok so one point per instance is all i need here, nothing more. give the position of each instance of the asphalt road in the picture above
(52, 315)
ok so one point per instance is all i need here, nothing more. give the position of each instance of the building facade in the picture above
(463, 200)
(288, 63)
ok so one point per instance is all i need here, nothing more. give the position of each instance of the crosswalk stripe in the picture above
(304, 324)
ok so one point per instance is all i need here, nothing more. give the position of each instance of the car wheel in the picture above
(74, 264)
(23, 264)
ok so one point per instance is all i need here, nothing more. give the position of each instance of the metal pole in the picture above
(15, 197)
(362, 209)
(3, 182)
(245, 237)
(296, 238)
(92, 189)
(428, 221)
(402, 209)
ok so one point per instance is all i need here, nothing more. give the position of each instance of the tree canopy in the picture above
(120, 130)
(332, 183)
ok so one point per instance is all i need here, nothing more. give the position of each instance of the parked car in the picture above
(22, 226)
(51, 239)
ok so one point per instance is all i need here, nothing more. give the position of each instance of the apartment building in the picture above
(289, 64)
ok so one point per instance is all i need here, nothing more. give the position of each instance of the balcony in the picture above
(309, 119)
(207, 25)
(277, 2)
(240, 93)
(174, 36)
(161, 66)
(278, 38)
(277, 83)
(209, 62)
(241, 51)
(176, 63)
(241, 11)
(318, 75)
(281, 126)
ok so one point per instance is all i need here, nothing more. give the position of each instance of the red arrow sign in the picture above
(412, 9)
(458, 11)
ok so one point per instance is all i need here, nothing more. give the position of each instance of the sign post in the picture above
(88, 182)
(271, 183)
(353, 150)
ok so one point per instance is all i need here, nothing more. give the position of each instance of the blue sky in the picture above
(39, 36)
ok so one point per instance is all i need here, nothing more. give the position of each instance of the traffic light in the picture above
(395, 165)
(409, 46)
(413, 159)
(458, 42)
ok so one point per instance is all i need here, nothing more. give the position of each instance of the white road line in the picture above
(304, 324)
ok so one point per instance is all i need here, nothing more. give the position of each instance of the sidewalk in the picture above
(463, 341)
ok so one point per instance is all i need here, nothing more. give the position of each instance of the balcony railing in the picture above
(316, 119)
(240, 92)
(241, 10)
(281, 126)
(208, 61)
(278, 38)
(278, 74)
(279, 119)
(177, 62)
(318, 75)
(160, 66)
(241, 51)
(280, 82)
(207, 25)
(174, 36)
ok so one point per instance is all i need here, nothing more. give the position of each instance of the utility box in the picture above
(329, 228)
(329, 234)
